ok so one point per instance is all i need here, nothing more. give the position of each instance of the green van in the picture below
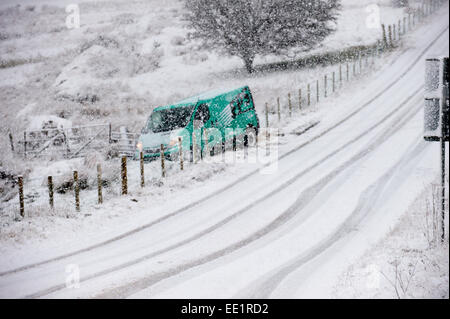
(231, 113)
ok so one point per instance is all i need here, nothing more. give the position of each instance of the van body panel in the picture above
(214, 109)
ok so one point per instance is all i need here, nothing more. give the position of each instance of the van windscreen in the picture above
(170, 119)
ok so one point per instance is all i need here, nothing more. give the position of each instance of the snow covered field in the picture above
(290, 234)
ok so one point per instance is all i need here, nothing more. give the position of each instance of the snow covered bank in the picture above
(410, 262)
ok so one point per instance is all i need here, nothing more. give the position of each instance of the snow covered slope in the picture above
(337, 190)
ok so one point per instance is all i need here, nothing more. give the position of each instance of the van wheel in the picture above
(250, 137)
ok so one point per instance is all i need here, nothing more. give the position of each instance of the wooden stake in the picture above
(21, 203)
(300, 99)
(206, 144)
(124, 176)
(180, 149)
(347, 73)
(385, 43)
(194, 147)
(141, 158)
(334, 79)
(391, 44)
(278, 109)
(290, 104)
(317, 91)
(11, 141)
(99, 184)
(77, 190)
(163, 165)
(25, 144)
(50, 192)
(309, 94)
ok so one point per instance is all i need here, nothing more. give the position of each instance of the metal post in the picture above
(77, 190)
(99, 183)
(443, 184)
(141, 160)
(22, 206)
(124, 176)
(50, 192)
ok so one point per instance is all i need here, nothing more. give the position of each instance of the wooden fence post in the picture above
(267, 115)
(110, 133)
(309, 94)
(317, 91)
(11, 141)
(180, 150)
(340, 75)
(76, 186)
(300, 99)
(163, 165)
(391, 44)
(290, 104)
(21, 203)
(360, 62)
(278, 109)
(99, 184)
(25, 144)
(393, 32)
(206, 144)
(325, 84)
(385, 43)
(141, 162)
(50, 192)
(404, 25)
(347, 73)
(334, 79)
(354, 69)
(194, 147)
(399, 28)
(124, 176)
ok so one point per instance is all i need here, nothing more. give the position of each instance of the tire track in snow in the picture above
(213, 194)
(305, 197)
(365, 207)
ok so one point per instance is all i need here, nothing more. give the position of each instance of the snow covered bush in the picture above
(246, 28)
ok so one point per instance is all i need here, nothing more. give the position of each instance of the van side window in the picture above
(241, 104)
(202, 113)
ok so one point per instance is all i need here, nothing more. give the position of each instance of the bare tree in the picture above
(246, 28)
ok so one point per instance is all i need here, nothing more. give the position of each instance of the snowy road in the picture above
(287, 234)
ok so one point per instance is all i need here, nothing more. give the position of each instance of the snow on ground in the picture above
(179, 64)
(410, 262)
